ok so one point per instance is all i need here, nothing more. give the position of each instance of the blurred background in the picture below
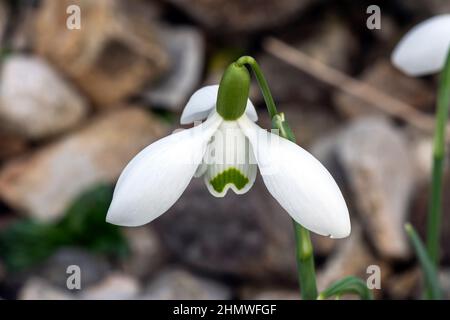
(77, 104)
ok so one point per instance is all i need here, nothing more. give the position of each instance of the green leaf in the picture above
(4, 53)
(85, 222)
(166, 116)
(347, 285)
(428, 269)
(28, 242)
(434, 216)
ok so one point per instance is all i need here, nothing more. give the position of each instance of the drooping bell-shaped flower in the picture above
(424, 48)
(226, 150)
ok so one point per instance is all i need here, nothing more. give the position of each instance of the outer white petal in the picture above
(158, 175)
(424, 48)
(299, 182)
(200, 104)
(203, 101)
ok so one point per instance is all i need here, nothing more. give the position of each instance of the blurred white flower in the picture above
(424, 48)
(154, 180)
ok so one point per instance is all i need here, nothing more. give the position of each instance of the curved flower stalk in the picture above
(426, 50)
(305, 256)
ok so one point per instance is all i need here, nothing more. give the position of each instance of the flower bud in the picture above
(233, 92)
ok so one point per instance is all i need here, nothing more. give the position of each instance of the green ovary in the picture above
(231, 175)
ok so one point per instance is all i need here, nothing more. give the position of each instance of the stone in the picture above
(332, 43)
(383, 76)
(35, 101)
(39, 289)
(11, 144)
(19, 36)
(444, 280)
(179, 284)
(185, 47)
(44, 183)
(146, 251)
(404, 285)
(115, 286)
(93, 267)
(309, 122)
(421, 146)
(389, 33)
(377, 162)
(425, 8)
(438, 6)
(247, 236)
(269, 294)
(374, 167)
(236, 15)
(114, 53)
(323, 246)
(4, 10)
(419, 214)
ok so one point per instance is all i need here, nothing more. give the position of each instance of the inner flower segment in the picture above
(229, 161)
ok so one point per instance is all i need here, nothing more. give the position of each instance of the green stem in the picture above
(305, 263)
(271, 108)
(435, 203)
(305, 255)
(428, 268)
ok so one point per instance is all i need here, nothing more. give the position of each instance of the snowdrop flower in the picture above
(154, 180)
(423, 50)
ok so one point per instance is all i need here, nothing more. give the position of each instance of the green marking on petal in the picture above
(231, 175)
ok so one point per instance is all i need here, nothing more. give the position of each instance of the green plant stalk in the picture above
(304, 252)
(305, 262)
(428, 268)
(250, 61)
(435, 203)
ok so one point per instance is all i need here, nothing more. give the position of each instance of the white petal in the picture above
(299, 182)
(200, 170)
(250, 111)
(203, 101)
(158, 175)
(423, 49)
(229, 161)
(200, 104)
